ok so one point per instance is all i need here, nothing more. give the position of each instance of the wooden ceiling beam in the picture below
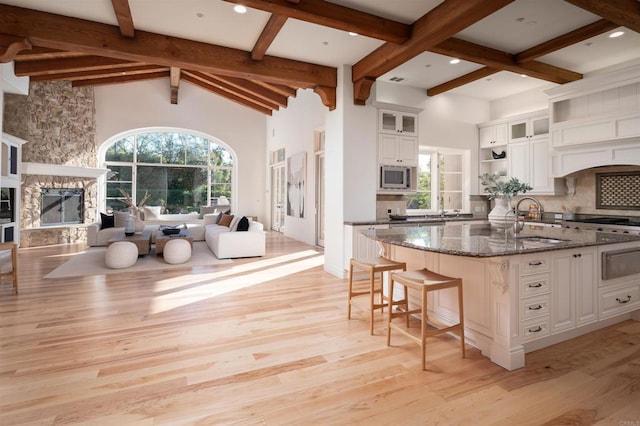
(93, 74)
(230, 88)
(625, 13)
(11, 45)
(568, 39)
(254, 89)
(269, 33)
(461, 81)
(119, 80)
(61, 32)
(174, 83)
(335, 16)
(493, 58)
(442, 22)
(123, 14)
(81, 63)
(277, 88)
(37, 53)
(203, 84)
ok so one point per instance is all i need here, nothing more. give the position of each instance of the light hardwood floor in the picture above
(266, 341)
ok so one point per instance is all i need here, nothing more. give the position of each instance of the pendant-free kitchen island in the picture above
(524, 293)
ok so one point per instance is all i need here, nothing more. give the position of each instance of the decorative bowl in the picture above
(170, 231)
(498, 156)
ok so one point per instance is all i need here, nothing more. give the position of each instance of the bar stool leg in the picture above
(390, 316)
(350, 291)
(372, 298)
(460, 307)
(423, 327)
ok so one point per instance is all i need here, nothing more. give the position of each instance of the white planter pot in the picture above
(502, 215)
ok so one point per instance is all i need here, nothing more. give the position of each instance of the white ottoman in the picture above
(177, 251)
(121, 254)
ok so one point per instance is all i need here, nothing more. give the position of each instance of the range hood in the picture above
(609, 153)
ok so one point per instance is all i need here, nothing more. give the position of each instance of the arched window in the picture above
(176, 170)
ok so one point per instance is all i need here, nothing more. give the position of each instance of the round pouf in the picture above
(121, 254)
(177, 251)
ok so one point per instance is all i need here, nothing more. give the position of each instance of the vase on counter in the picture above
(502, 215)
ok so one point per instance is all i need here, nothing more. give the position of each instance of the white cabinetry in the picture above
(530, 127)
(358, 245)
(617, 296)
(596, 109)
(396, 122)
(493, 139)
(397, 150)
(493, 135)
(10, 187)
(534, 300)
(574, 292)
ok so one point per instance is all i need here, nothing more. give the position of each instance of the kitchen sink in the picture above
(542, 240)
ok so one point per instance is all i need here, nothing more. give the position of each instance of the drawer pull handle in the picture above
(536, 263)
(536, 285)
(538, 329)
(535, 308)
(624, 301)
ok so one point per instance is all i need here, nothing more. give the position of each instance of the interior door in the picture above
(278, 197)
(320, 199)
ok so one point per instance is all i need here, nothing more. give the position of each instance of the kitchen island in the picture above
(525, 293)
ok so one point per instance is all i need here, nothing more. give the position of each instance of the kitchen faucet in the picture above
(517, 226)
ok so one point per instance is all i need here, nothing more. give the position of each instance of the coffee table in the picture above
(162, 239)
(142, 240)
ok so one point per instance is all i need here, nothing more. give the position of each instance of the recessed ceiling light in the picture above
(200, 15)
(524, 75)
(454, 61)
(352, 34)
(616, 34)
(239, 8)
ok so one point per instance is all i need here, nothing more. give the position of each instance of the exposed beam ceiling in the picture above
(125, 20)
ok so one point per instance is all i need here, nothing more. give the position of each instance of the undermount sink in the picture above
(542, 240)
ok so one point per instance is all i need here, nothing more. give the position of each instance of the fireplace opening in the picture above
(62, 206)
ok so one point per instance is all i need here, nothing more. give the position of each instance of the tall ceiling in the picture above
(261, 57)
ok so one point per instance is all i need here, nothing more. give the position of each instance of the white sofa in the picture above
(99, 237)
(225, 243)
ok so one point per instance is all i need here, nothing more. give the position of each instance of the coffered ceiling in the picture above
(261, 57)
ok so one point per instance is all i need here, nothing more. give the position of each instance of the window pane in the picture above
(122, 150)
(221, 182)
(220, 156)
(174, 148)
(197, 150)
(421, 200)
(119, 173)
(149, 148)
(178, 189)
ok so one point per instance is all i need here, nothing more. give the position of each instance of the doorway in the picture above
(319, 155)
(278, 197)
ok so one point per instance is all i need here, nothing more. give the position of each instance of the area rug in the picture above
(91, 262)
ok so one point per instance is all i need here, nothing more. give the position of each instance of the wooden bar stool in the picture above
(13, 248)
(424, 281)
(372, 265)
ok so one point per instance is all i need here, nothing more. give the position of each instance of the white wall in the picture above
(522, 103)
(124, 107)
(292, 128)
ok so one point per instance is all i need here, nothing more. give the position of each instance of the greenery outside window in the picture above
(441, 183)
(179, 171)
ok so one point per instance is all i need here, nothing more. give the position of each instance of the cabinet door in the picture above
(407, 151)
(501, 134)
(586, 271)
(518, 130)
(387, 149)
(518, 158)
(562, 293)
(388, 122)
(486, 136)
(540, 177)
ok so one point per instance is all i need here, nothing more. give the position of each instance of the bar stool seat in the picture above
(372, 265)
(424, 281)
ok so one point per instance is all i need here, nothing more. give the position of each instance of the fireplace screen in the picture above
(62, 206)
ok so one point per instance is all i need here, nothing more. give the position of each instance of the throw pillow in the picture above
(106, 221)
(243, 225)
(218, 218)
(225, 220)
(151, 212)
(234, 223)
(120, 219)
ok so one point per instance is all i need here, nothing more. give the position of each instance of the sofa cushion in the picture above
(225, 220)
(243, 224)
(211, 219)
(233, 226)
(106, 221)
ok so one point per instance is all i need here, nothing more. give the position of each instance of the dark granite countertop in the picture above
(481, 240)
(418, 220)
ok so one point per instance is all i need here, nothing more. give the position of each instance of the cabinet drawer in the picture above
(533, 307)
(533, 285)
(534, 329)
(534, 263)
(618, 301)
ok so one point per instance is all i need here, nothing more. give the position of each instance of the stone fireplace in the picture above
(63, 206)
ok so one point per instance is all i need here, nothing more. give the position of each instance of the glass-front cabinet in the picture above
(529, 128)
(398, 122)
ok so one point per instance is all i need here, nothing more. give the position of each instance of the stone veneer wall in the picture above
(58, 123)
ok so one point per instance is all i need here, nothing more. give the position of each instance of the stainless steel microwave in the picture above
(395, 177)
